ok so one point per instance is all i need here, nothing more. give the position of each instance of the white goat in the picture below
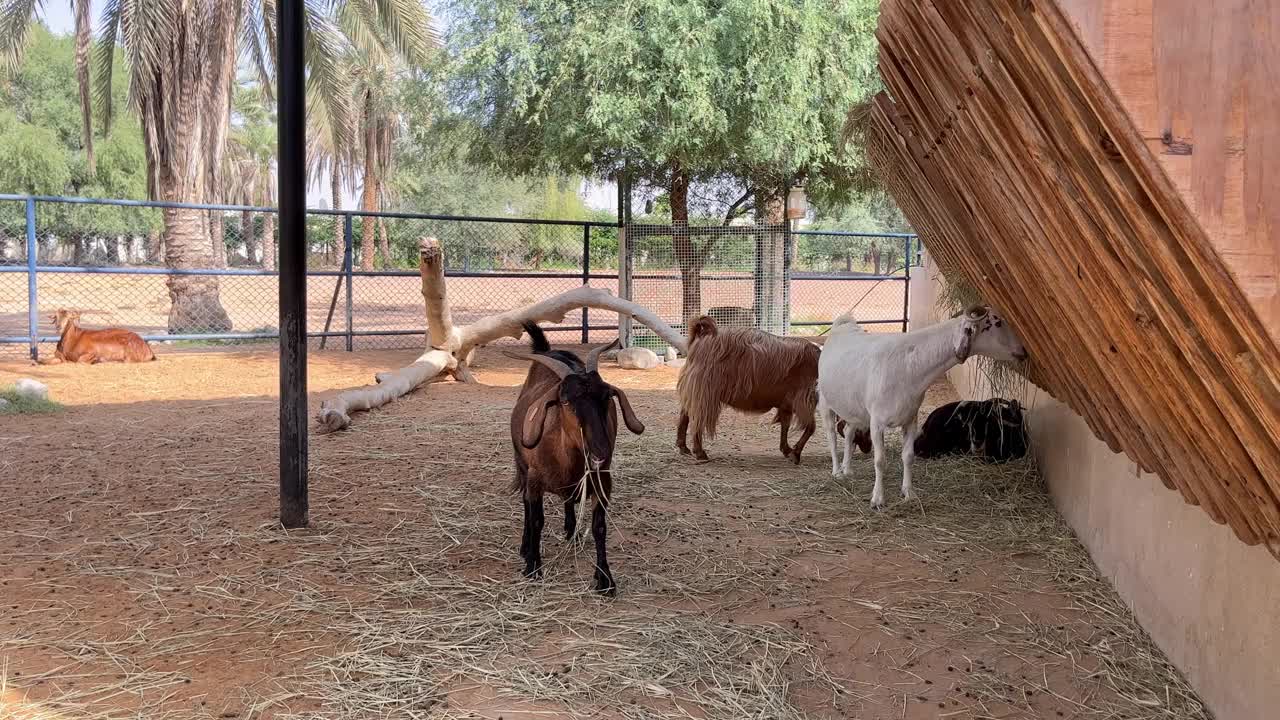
(877, 381)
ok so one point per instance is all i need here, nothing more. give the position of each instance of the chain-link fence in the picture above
(198, 276)
(866, 273)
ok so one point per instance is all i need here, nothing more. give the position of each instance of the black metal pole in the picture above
(906, 285)
(586, 279)
(348, 260)
(291, 170)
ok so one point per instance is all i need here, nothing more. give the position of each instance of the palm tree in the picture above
(15, 26)
(251, 155)
(180, 58)
(329, 157)
(379, 125)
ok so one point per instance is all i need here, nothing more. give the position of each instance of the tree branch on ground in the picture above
(452, 348)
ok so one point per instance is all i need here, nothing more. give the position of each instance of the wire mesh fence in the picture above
(197, 276)
(867, 274)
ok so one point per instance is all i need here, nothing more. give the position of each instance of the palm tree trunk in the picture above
(246, 236)
(84, 30)
(195, 307)
(369, 202)
(335, 186)
(155, 247)
(269, 227)
(384, 244)
(216, 123)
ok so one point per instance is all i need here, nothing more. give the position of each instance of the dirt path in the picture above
(142, 573)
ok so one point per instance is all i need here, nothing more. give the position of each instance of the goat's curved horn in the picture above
(593, 357)
(561, 370)
(976, 312)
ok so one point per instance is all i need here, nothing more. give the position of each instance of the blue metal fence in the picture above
(116, 270)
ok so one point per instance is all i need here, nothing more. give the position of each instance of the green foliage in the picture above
(41, 149)
(757, 89)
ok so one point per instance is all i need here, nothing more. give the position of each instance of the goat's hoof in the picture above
(909, 495)
(683, 450)
(877, 503)
(795, 457)
(604, 585)
(701, 457)
(533, 573)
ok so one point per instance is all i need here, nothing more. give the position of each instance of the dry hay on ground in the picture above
(145, 576)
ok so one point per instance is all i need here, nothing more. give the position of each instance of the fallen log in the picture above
(451, 349)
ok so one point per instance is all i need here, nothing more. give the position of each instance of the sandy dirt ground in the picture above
(143, 573)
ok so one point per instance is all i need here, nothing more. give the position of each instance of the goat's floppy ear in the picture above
(535, 416)
(964, 345)
(628, 415)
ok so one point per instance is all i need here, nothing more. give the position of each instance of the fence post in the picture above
(33, 311)
(906, 283)
(347, 252)
(586, 280)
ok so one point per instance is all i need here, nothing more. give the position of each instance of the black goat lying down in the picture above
(991, 429)
(564, 421)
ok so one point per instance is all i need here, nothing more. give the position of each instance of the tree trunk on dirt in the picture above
(689, 257)
(875, 259)
(195, 307)
(451, 348)
(848, 262)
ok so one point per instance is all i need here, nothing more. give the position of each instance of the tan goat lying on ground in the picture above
(94, 346)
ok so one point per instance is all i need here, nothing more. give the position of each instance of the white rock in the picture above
(3, 403)
(638, 358)
(32, 390)
(677, 363)
(671, 355)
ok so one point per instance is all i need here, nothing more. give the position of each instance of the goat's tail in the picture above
(536, 336)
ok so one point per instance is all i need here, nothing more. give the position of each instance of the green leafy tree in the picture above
(42, 152)
(677, 91)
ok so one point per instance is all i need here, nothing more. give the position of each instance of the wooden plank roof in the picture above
(1023, 173)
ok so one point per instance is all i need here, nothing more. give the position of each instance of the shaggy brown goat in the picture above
(564, 424)
(94, 346)
(750, 371)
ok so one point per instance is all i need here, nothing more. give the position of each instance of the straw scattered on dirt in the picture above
(145, 575)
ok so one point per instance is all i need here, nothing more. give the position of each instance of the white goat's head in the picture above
(983, 332)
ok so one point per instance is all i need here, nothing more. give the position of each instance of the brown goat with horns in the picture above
(563, 429)
(751, 371)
